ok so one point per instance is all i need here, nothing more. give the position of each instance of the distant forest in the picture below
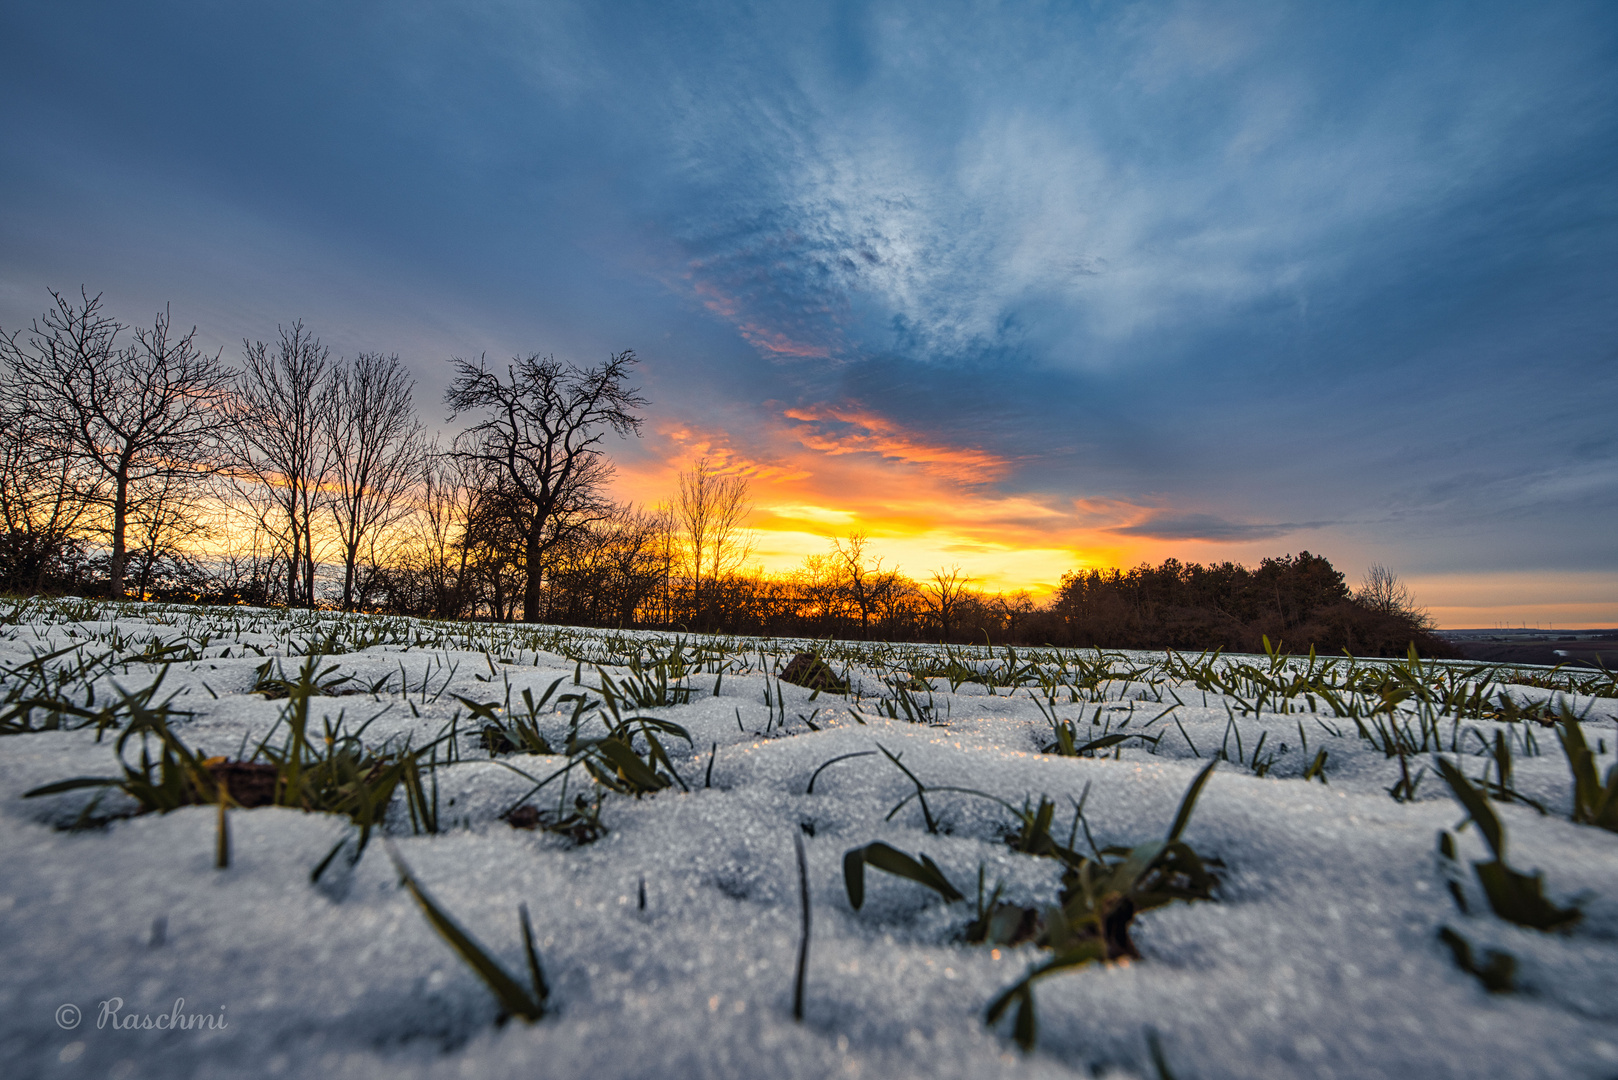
(132, 464)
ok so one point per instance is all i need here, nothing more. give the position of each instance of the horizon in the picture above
(1025, 293)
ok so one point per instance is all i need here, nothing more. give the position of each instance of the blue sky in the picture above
(1018, 287)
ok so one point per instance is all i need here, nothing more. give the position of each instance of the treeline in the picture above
(1297, 601)
(133, 463)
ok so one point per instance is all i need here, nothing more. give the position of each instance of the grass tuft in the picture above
(893, 861)
(1497, 972)
(1101, 897)
(1514, 896)
(1594, 803)
(515, 999)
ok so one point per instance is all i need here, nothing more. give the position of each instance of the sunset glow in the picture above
(925, 505)
(1024, 290)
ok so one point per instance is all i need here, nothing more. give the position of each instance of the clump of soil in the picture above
(493, 739)
(808, 670)
(582, 825)
(250, 783)
(524, 817)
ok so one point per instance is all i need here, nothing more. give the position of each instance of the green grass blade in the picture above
(1476, 805)
(803, 948)
(71, 785)
(896, 862)
(512, 997)
(1188, 802)
(1520, 898)
(536, 974)
(854, 877)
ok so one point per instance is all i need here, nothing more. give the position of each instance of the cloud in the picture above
(763, 337)
(816, 515)
(1106, 202)
(854, 429)
(1170, 525)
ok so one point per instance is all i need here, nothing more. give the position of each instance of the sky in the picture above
(1022, 289)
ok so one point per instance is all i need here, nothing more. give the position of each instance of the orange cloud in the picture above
(824, 471)
(729, 308)
(924, 504)
(837, 469)
(779, 343)
(849, 429)
(675, 447)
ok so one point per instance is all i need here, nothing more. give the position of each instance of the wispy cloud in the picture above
(1164, 169)
(1210, 527)
(766, 338)
(852, 429)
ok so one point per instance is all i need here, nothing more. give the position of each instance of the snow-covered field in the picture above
(670, 942)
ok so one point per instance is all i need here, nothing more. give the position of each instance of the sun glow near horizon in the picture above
(924, 505)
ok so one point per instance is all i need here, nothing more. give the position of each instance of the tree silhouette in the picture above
(944, 593)
(139, 415)
(709, 508)
(377, 454)
(540, 435)
(283, 412)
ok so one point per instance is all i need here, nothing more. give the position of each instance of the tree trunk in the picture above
(458, 597)
(696, 594)
(309, 557)
(120, 517)
(351, 551)
(148, 558)
(531, 555)
(309, 568)
(293, 560)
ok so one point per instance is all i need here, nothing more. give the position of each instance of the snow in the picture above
(1319, 956)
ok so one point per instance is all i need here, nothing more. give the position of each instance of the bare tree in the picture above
(163, 517)
(818, 591)
(901, 606)
(137, 414)
(376, 454)
(283, 417)
(709, 509)
(494, 541)
(640, 563)
(248, 571)
(442, 521)
(607, 572)
(541, 433)
(256, 561)
(500, 522)
(1382, 591)
(1014, 611)
(45, 494)
(944, 593)
(666, 547)
(863, 580)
